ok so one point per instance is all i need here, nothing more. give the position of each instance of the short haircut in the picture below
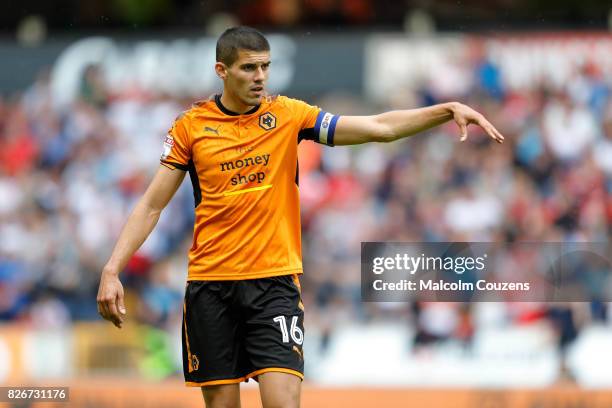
(239, 38)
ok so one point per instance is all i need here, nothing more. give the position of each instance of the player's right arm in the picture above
(139, 225)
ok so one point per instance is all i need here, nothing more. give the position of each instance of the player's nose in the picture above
(259, 75)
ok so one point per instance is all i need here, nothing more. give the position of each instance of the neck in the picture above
(234, 104)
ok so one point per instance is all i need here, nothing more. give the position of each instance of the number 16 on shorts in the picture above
(297, 335)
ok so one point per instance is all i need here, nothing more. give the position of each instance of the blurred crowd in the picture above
(69, 178)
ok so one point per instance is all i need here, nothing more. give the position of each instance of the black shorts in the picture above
(236, 330)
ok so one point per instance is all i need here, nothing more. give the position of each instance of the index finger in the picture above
(491, 131)
(501, 137)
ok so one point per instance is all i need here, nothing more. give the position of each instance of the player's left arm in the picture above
(393, 125)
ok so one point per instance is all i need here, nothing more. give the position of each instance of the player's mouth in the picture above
(257, 90)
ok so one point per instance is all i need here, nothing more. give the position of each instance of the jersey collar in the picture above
(229, 112)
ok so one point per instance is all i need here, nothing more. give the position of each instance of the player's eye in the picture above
(249, 67)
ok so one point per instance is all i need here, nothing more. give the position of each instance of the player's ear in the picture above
(221, 70)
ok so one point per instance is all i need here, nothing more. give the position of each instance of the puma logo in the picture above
(212, 130)
(297, 350)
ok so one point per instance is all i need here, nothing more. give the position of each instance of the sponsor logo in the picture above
(258, 162)
(168, 144)
(267, 121)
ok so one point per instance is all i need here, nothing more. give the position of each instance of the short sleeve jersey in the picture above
(244, 172)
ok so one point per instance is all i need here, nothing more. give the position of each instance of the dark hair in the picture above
(239, 38)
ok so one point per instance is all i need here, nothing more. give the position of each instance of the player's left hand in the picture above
(464, 115)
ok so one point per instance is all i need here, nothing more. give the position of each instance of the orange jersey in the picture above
(244, 173)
